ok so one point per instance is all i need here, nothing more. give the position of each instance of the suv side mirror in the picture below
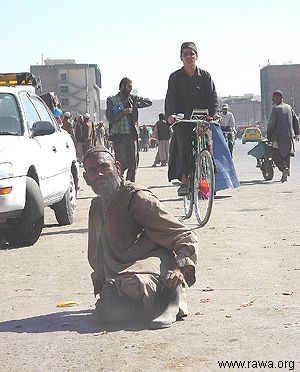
(42, 128)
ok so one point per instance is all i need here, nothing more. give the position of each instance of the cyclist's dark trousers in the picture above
(181, 161)
(282, 162)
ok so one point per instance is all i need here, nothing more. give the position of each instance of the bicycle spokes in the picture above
(204, 187)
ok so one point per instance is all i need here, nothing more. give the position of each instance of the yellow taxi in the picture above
(251, 134)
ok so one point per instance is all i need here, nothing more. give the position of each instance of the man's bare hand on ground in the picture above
(174, 278)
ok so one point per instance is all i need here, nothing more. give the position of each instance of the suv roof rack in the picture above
(22, 78)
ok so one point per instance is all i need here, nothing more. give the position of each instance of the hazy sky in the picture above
(141, 39)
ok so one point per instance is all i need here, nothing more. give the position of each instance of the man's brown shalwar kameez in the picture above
(135, 242)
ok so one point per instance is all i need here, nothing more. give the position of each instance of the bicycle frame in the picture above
(201, 187)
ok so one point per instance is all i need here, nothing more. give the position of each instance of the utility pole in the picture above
(87, 88)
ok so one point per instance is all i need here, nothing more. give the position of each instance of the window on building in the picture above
(63, 77)
(64, 102)
(98, 78)
(64, 89)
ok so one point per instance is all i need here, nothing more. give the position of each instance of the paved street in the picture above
(244, 305)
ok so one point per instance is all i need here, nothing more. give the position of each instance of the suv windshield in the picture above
(10, 122)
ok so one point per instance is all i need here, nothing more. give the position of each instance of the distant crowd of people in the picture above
(85, 133)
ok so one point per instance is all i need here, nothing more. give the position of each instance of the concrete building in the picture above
(77, 85)
(283, 77)
(246, 109)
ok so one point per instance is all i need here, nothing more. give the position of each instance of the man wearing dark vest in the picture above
(282, 127)
(141, 255)
(162, 132)
(122, 115)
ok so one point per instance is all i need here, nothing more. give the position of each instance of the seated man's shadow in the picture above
(81, 321)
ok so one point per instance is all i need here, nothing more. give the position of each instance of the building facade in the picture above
(77, 85)
(246, 109)
(283, 77)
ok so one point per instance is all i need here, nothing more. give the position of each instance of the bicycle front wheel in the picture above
(204, 187)
(188, 200)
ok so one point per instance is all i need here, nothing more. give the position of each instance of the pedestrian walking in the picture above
(144, 136)
(89, 133)
(79, 139)
(67, 123)
(162, 133)
(283, 126)
(101, 134)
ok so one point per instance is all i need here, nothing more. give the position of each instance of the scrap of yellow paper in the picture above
(67, 304)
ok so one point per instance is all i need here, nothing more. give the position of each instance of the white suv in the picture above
(38, 166)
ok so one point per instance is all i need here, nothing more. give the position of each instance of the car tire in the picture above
(27, 229)
(65, 209)
(243, 142)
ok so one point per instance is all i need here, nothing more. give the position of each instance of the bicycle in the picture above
(228, 133)
(201, 180)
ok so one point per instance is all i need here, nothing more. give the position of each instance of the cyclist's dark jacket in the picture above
(184, 94)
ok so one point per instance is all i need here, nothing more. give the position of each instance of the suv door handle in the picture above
(54, 149)
(67, 145)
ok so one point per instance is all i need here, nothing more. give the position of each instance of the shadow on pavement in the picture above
(253, 210)
(6, 246)
(82, 321)
(50, 225)
(65, 232)
(159, 187)
(170, 200)
(220, 197)
(146, 166)
(257, 182)
(3, 243)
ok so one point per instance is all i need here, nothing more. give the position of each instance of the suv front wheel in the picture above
(27, 229)
(65, 209)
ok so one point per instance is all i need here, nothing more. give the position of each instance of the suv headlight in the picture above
(6, 170)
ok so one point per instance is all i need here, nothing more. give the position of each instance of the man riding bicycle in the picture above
(228, 126)
(188, 88)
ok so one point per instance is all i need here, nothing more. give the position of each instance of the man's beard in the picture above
(106, 189)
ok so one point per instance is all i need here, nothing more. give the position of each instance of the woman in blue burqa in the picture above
(225, 175)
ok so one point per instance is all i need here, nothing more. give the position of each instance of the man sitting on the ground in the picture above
(140, 254)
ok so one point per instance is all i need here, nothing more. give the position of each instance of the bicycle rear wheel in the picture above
(204, 187)
(188, 200)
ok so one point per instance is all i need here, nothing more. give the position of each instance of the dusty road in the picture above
(244, 306)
